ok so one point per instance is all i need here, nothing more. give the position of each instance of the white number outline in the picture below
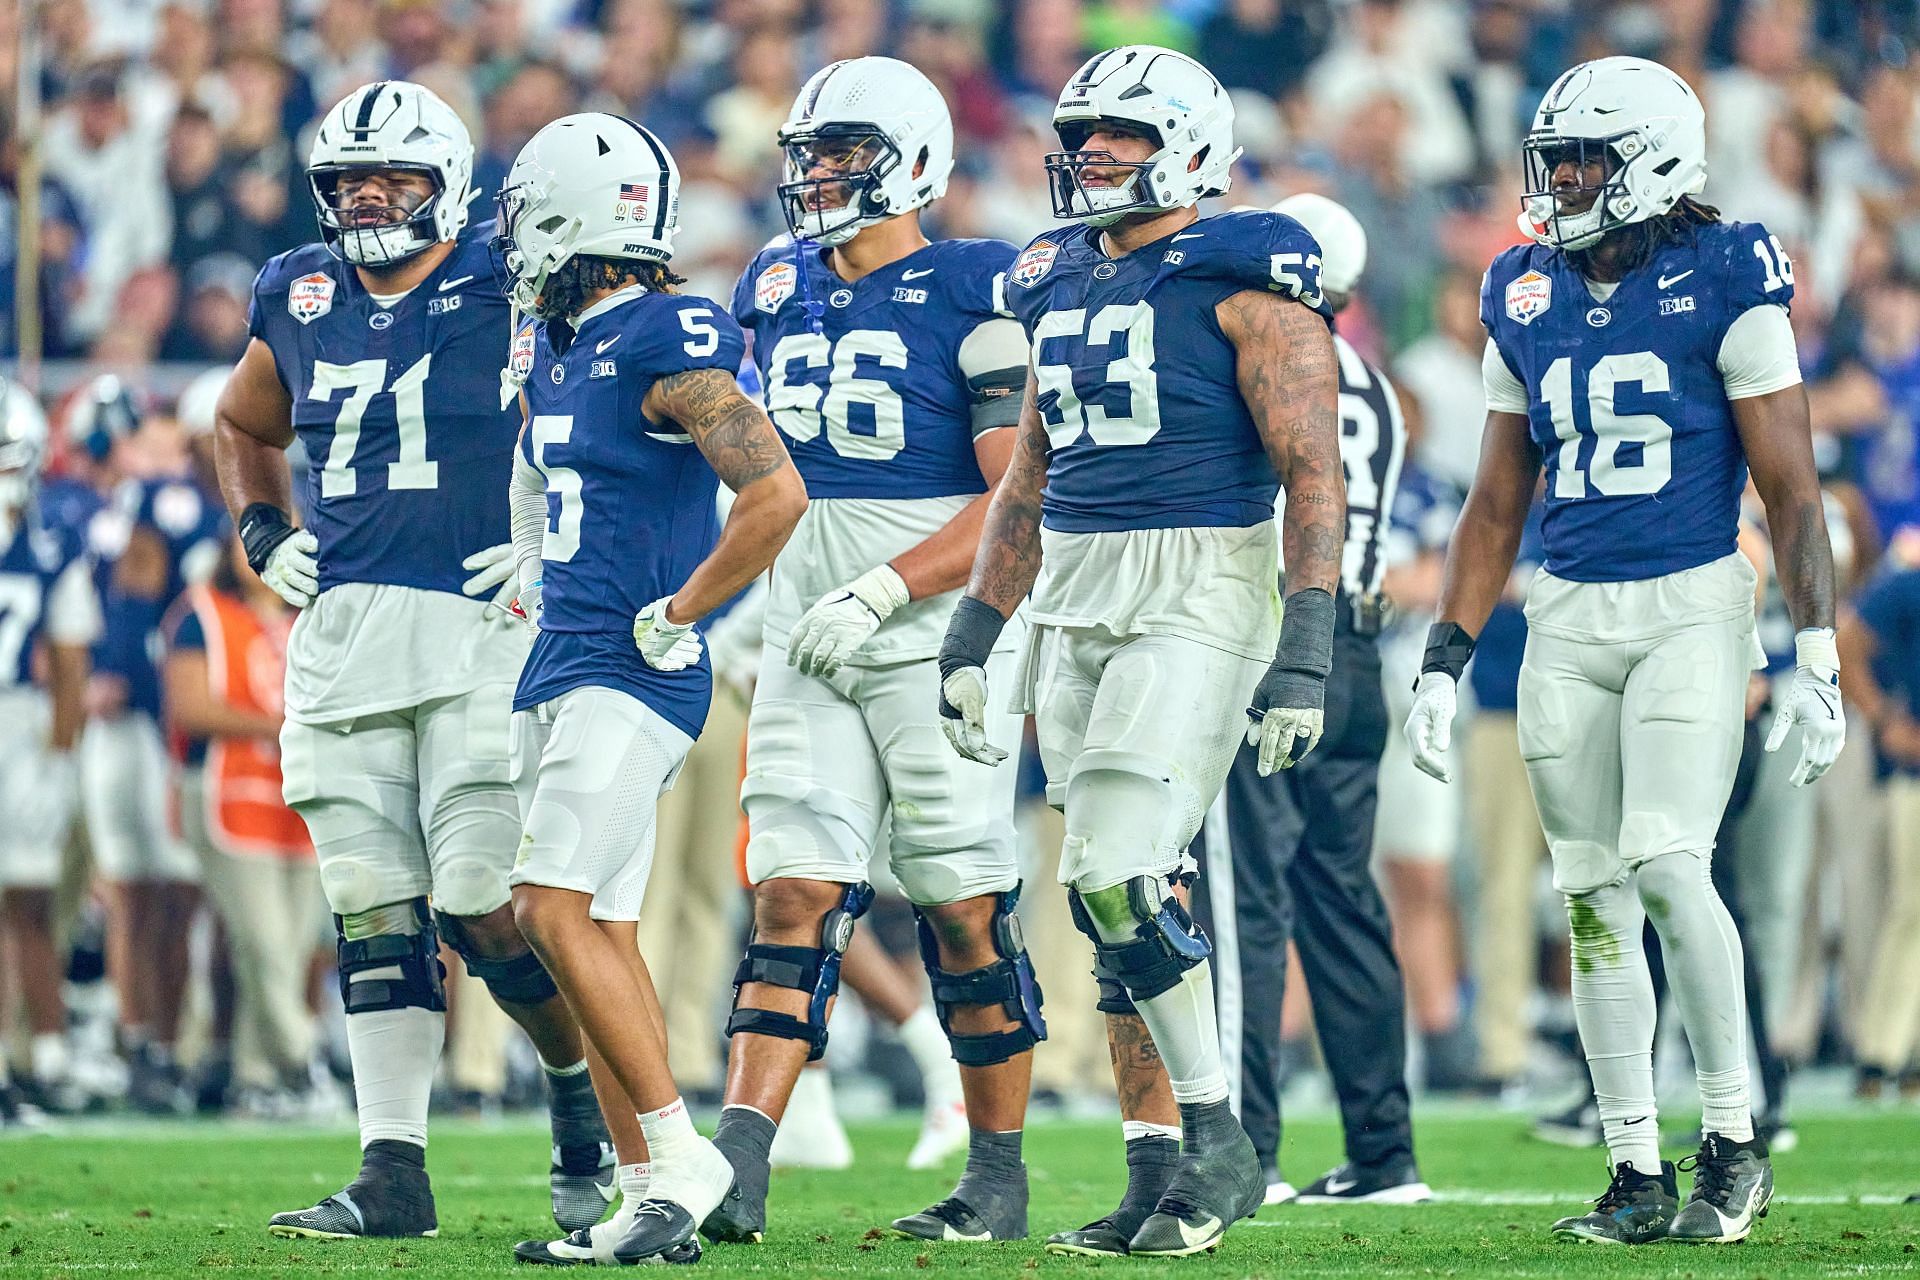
(1135, 369)
(801, 409)
(1775, 262)
(1610, 430)
(20, 605)
(706, 338)
(363, 380)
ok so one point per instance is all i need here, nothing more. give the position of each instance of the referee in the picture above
(1288, 856)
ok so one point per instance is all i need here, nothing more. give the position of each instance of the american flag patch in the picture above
(632, 191)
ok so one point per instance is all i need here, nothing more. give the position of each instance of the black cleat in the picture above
(1636, 1208)
(1389, 1182)
(1151, 1162)
(660, 1232)
(581, 1183)
(391, 1198)
(1732, 1187)
(1211, 1190)
(1101, 1238)
(741, 1217)
(951, 1220)
(577, 1251)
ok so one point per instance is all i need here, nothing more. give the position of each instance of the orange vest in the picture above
(246, 667)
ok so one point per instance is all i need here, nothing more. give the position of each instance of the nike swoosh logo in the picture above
(1206, 1231)
(1337, 1185)
(453, 284)
(915, 275)
(607, 1191)
(1666, 283)
(1191, 235)
(602, 346)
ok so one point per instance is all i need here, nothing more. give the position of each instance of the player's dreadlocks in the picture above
(567, 288)
(1639, 241)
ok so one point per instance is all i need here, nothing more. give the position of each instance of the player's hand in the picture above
(666, 646)
(963, 714)
(292, 571)
(1287, 717)
(1430, 724)
(1813, 702)
(496, 573)
(43, 798)
(841, 621)
(526, 604)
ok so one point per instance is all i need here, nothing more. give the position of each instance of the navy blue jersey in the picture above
(398, 408)
(1127, 353)
(1625, 398)
(874, 404)
(1890, 608)
(41, 550)
(630, 502)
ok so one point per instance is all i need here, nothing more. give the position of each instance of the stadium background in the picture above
(164, 143)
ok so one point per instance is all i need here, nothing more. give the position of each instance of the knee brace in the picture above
(1008, 982)
(520, 979)
(815, 970)
(399, 942)
(1165, 942)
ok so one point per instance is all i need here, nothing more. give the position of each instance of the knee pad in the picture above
(804, 837)
(815, 970)
(1164, 944)
(1124, 815)
(1008, 982)
(397, 942)
(520, 979)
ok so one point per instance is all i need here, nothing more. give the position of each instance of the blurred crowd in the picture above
(172, 157)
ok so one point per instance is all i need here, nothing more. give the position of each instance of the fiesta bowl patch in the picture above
(1529, 296)
(310, 297)
(520, 360)
(1034, 263)
(774, 286)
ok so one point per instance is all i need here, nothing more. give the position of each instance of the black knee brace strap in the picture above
(1165, 944)
(1008, 982)
(520, 979)
(421, 982)
(815, 970)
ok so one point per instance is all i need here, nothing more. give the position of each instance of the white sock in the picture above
(1706, 970)
(633, 1179)
(927, 1044)
(1614, 1009)
(49, 1056)
(395, 1053)
(687, 1169)
(1132, 1129)
(670, 1135)
(1181, 1021)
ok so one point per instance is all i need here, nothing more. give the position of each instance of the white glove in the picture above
(496, 573)
(963, 714)
(1430, 724)
(841, 621)
(667, 646)
(526, 605)
(43, 799)
(292, 570)
(1813, 703)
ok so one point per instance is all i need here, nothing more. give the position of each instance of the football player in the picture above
(49, 617)
(890, 366)
(1179, 365)
(1640, 351)
(620, 553)
(380, 349)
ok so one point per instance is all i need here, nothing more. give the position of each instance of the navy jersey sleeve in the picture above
(1511, 274)
(1891, 608)
(741, 307)
(973, 277)
(1030, 279)
(677, 333)
(1754, 269)
(1255, 250)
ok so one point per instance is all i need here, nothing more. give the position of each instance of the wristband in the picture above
(263, 527)
(1815, 647)
(1306, 633)
(971, 634)
(1448, 648)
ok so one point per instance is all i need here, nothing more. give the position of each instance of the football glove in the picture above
(666, 646)
(963, 714)
(1430, 724)
(1813, 702)
(1288, 714)
(292, 571)
(496, 572)
(526, 604)
(841, 621)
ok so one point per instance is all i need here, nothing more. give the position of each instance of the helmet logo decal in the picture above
(631, 202)
(310, 297)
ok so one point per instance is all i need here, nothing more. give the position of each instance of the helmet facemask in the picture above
(1612, 205)
(1100, 205)
(527, 275)
(856, 159)
(376, 239)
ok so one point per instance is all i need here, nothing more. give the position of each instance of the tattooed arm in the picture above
(1290, 380)
(1008, 560)
(745, 450)
(1776, 435)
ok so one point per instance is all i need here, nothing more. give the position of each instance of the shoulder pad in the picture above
(1515, 287)
(280, 272)
(769, 280)
(973, 275)
(1751, 262)
(668, 333)
(1255, 250)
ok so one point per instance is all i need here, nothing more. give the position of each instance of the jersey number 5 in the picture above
(363, 380)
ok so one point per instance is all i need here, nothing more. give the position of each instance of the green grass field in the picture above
(178, 1200)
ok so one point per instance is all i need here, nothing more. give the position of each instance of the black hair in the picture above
(1639, 241)
(567, 288)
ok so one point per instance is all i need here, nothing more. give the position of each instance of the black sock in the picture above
(994, 1183)
(573, 1112)
(394, 1153)
(1206, 1125)
(1151, 1159)
(744, 1133)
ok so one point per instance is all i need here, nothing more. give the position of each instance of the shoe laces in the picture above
(653, 1209)
(1713, 1176)
(1620, 1192)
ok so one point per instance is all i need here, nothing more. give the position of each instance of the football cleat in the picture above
(1210, 1191)
(1389, 1182)
(660, 1228)
(1732, 1187)
(950, 1220)
(1634, 1209)
(1279, 1190)
(391, 1198)
(581, 1249)
(581, 1183)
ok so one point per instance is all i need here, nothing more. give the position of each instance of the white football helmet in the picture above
(1174, 100)
(392, 124)
(1642, 123)
(1343, 241)
(23, 443)
(863, 126)
(588, 184)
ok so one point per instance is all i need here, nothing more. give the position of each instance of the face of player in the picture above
(1578, 173)
(828, 162)
(375, 197)
(1128, 145)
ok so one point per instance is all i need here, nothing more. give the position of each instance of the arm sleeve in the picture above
(1505, 394)
(993, 360)
(1758, 355)
(527, 503)
(73, 606)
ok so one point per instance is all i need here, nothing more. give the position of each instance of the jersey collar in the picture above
(608, 303)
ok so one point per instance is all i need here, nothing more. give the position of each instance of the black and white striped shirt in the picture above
(1373, 443)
